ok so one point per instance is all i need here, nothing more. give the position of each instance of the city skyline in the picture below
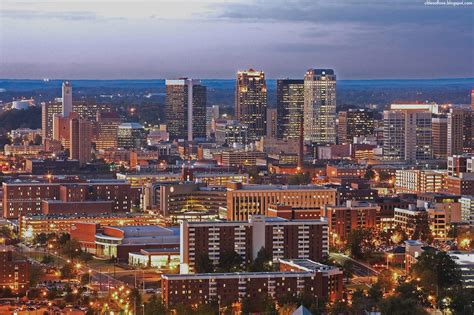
(361, 40)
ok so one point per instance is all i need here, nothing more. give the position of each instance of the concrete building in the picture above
(231, 133)
(251, 102)
(465, 262)
(80, 140)
(459, 131)
(107, 127)
(186, 101)
(272, 121)
(420, 181)
(131, 135)
(409, 219)
(281, 238)
(238, 158)
(407, 134)
(354, 123)
(66, 98)
(290, 108)
(440, 137)
(296, 277)
(48, 111)
(246, 200)
(320, 106)
(467, 209)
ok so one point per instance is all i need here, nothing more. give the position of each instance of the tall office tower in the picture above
(320, 106)
(440, 137)
(107, 126)
(290, 103)
(407, 134)
(80, 137)
(272, 116)
(48, 111)
(186, 109)
(67, 98)
(355, 123)
(251, 102)
(459, 131)
(212, 114)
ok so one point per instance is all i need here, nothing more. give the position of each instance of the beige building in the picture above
(420, 181)
(246, 200)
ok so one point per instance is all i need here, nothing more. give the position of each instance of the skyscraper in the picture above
(131, 136)
(272, 116)
(355, 123)
(320, 106)
(440, 137)
(251, 102)
(186, 109)
(107, 125)
(290, 103)
(48, 111)
(459, 131)
(80, 139)
(407, 133)
(67, 98)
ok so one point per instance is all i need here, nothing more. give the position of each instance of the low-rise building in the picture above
(14, 273)
(420, 181)
(342, 220)
(299, 276)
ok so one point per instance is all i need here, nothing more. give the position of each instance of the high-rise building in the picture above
(251, 102)
(131, 135)
(272, 122)
(440, 137)
(186, 109)
(459, 131)
(107, 126)
(355, 123)
(320, 106)
(80, 140)
(67, 98)
(290, 104)
(48, 111)
(212, 114)
(407, 134)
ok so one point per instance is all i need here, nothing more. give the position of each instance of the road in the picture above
(359, 268)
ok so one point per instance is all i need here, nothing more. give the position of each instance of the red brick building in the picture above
(26, 197)
(14, 273)
(342, 220)
(282, 238)
(295, 277)
(462, 185)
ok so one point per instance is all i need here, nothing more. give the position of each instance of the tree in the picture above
(385, 280)
(71, 249)
(263, 261)
(300, 179)
(360, 243)
(85, 278)
(369, 174)
(36, 273)
(155, 306)
(411, 291)
(422, 228)
(395, 305)
(68, 271)
(41, 239)
(339, 307)
(437, 271)
(375, 292)
(47, 259)
(63, 238)
(230, 261)
(204, 264)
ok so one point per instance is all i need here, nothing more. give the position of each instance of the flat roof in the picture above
(283, 187)
(462, 258)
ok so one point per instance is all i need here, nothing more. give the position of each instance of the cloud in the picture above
(47, 15)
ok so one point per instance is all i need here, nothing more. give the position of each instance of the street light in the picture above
(389, 256)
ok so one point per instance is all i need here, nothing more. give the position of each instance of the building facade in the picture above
(186, 101)
(251, 102)
(320, 106)
(290, 107)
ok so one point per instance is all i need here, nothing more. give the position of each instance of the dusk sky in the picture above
(360, 39)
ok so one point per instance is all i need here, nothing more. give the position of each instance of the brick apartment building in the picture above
(26, 197)
(14, 273)
(299, 276)
(282, 238)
